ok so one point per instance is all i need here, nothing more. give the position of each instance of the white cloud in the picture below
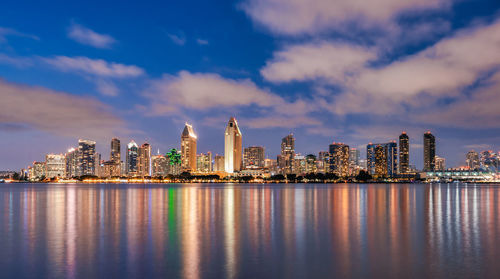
(86, 36)
(107, 88)
(201, 42)
(293, 17)
(177, 39)
(4, 32)
(56, 112)
(96, 67)
(20, 62)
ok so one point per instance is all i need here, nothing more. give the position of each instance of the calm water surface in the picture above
(249, 231)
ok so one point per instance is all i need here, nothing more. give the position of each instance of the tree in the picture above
(363, 176)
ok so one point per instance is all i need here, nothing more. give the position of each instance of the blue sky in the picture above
(326, 70)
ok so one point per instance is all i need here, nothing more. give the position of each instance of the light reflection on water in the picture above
(249, 231)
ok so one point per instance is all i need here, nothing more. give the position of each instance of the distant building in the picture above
(354, 156)
(382, 158)
(489, 161)
(429, 152)
(55, 165)
(323, 163)
(271, 165)
(472, 160)
(159, 165)
(404, 153)
(87, 157)
(188, 149)
(339, 159)
(38, 171)
(144, 160)
(204, 162)
(131, 160)
(253, 157)
(287, 156)
(440, 164)
(299, 162)
(72, 162)
(219, 163)
(174, 162)
(311, 164)
(232, 147)
(115, 154)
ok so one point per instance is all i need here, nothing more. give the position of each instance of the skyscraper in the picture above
(71, 160)
(115, 154)
(253, 157)
(472, 160)
(429, 152)
(404, 153)
(144, 160)
(188, 149)
(219, 163)
(204, 162)
(232, 147)
(55, 165)
(159, 165)
(339, 159)
(287, 156)
(311, 166)
(382, 159)
(87, 157)
(440, 164)
(131, 160)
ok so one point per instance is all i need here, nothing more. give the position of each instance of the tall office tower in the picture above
(38, 171)
(440, 164)
(339, 159)
(472, 160)
(204, 162)
(285, 160)
(159, 165)
(219, 163)
(253, 157)
(55, 165)
(71, 160)
(188, 149)
(404, 153)
(311, 164)
(144, 160)
(323, 161)
(382, 159)
(299, 164)
(354, 155)
(115, 154)
(232, 147)
(429, 152)
(87, 157)
(131, 158)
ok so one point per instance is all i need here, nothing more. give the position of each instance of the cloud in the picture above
(208, 93)
(296, 17)
(95, 67)
(4, 32)
(177, 39)
(86, 36)
(107, 88)
(479, 146)
(56, 112)
(201, 42)
(20, 62)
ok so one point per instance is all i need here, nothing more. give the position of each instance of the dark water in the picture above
(249, 231)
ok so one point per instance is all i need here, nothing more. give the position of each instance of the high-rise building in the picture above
(55, 165)
(323, 161)
(38, 171)
(339, 159)
(204, 162)
(440, 163)
(131, 158)
(404, 153)
(285, 160)
(354, 156)
(144, 160)
(188, 149)
(115, 154)
(87, 157)
(232, 147)
(382, 158)
(219, 163)
(174, 161)
(72, 162)
(253, 157)
(271, 165)
(429, 151)
(159, 165)
(299, 162)
(311, 164)
(472, 160)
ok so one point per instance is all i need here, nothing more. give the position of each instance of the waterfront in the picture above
(249, 230)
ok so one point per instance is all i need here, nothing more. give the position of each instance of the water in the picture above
(249, 231)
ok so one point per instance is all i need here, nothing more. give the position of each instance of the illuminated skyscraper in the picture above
(311, 166)
(287, 156)
(115, 154)
(131, 160)
(429, 152)
(472, 160)
(253, 157)
(232, 147)
(87, 157)
(204, 162)
(188, 149)
(404, 153)
(55, 165)
(144, 160)
(440, 163)
(219, 163)
(159, 165)
(382, 159)
(71, 160)
(339, 159)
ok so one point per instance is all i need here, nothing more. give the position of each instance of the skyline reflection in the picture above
(235, 231)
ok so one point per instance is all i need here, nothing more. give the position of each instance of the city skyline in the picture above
(87, 75)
